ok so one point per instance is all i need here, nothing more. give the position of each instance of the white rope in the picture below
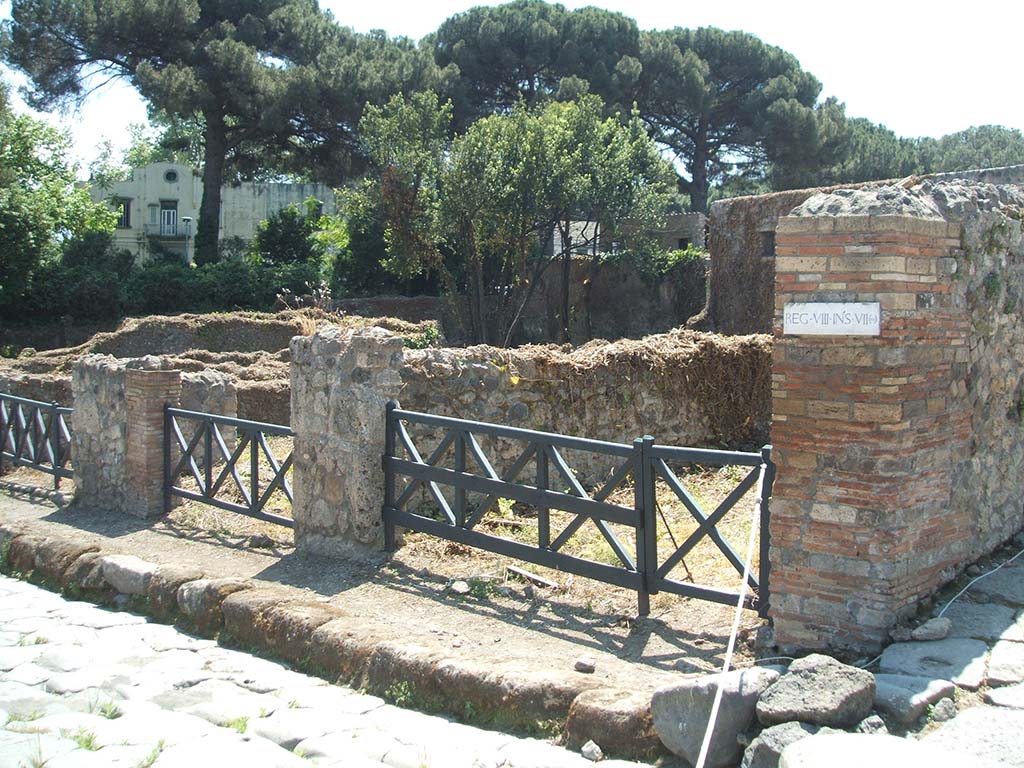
(706, 744)
(977, 578)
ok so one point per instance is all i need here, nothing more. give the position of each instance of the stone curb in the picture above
(319, 639)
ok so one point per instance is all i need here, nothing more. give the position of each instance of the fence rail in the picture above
(643, 462)
(37, 435)
(196, 457)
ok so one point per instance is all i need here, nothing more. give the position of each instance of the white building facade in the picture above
(159, 206)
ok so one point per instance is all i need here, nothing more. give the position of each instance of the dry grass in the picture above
(704, 565)
(196, 516)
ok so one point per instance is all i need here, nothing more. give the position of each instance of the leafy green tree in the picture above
(983, 146)
(288, 236)
(40, 206)
(535, 51)
(266, 83)
(724, 103)
(483, 208)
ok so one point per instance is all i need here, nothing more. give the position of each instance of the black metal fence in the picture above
(37, 435)
(643, 462)
(210, 457)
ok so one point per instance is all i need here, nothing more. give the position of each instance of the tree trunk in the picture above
(208, 226)
(566, 279)
(588, 286)
(699, 170)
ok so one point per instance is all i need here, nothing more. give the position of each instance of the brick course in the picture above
(864, 434)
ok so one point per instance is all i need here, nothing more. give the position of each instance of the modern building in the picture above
(677, 231)
(158, 207)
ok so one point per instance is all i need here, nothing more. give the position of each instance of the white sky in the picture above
(920, 68)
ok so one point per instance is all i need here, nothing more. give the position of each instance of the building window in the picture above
(168, 218)
(768, 245)
(171, 177)
(124, 213)
(684, 243)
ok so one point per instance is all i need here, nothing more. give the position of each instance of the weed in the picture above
(37, 640)
(428, 338)
(240, 724)
(84, 739)
(37, 760)
(293, 704)
(35, 714)
(993, 283)
(400, 694)
(263, 712)
(151, 758)
(481, 589)
(110, 710)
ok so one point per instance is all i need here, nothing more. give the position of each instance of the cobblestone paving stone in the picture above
(83, 686)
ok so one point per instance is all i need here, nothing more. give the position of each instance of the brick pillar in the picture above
(865, 429)
(341, 382)
(146, 394)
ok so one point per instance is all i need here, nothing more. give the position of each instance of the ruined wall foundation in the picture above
(893, 449)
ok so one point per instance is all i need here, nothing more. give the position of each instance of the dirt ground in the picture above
(409, 596)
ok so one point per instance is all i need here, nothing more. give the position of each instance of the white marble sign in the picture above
(832, 319)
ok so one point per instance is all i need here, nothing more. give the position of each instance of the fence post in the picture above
(764, 536)
(54, 441)
(3, 434)
(543, 513)
(647, 533)
(168, 469)
(389, 474)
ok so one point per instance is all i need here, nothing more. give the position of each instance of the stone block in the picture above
(765, 750)
(127, 574)
(1006, 663)
(619, 722)
(820, 690)
(200, 601)
(681, 713)
(163, 589)
(855, 750)
(960, 660)
(341, 383)
(982, 736)
(905, 697)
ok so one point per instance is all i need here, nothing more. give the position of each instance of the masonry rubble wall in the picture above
(99, 431)
(742, 249)
(684, 388)
(900, 454)
(341, 381)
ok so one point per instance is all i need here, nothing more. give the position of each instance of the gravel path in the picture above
(83, 686)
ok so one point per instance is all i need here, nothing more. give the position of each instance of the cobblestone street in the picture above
(85, 686)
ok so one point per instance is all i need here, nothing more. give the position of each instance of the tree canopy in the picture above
(40, 206)
(533, 51)
(484, 207)
(267, 81)
(724, 104)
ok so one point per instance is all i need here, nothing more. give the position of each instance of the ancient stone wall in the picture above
(900, 454)
(341, 381)
(685, 388)
(209, 392)
(45, 388)
(989, 285)
(741, 242)
(99, 430)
